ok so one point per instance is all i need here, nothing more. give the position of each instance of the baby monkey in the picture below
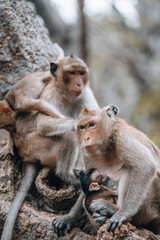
(94, 184)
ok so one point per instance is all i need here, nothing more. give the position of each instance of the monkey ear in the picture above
(78, 172)
(6, 110)
(84, 112)
(94, 187)
(53, 68)
(112, 110)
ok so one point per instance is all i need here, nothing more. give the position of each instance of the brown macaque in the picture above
(127, 156)
(50, 141)
(67, 80)
(94, 185)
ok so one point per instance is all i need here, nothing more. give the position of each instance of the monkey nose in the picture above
(86, 138)
(78, 84)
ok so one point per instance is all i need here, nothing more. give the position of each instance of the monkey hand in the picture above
(61, 223)
(117, 220)
(72, 122)
(102, 210)
(5, 151)
(74, 125)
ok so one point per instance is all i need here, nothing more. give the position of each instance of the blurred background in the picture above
(120, 42)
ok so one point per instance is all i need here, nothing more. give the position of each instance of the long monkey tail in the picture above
(29, 176)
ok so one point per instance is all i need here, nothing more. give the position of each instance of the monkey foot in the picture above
(116, 221)
(5, 151)
(61, 223)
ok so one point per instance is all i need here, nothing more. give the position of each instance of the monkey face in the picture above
(98, 177)
(74, 80)
(88, 132)
(71, 75)
(95, 126)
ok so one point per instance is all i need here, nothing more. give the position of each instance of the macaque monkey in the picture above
(50, 141)
(127, 156)
(94, 185)
(67, 80)
(24, 97)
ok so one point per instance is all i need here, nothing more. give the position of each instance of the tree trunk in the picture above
(82, 26)
(24, 46)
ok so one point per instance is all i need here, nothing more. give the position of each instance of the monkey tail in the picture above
(29, 176)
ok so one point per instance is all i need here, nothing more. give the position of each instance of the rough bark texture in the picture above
(24, 48)
(24, 45)
(127, 232)
(48, 198)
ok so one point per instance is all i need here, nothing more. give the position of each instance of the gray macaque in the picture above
(127, 156)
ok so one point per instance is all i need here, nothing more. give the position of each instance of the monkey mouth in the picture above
(90, 145)
(76, 91)
(104, 178)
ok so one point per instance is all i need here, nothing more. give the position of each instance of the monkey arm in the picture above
(102, 209)
(68, 220)
(112, 191)
(88, 100)
(48, 127)
(28, 104)
(134, 182)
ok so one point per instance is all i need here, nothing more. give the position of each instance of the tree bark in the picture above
(24, 45)
(83, 35)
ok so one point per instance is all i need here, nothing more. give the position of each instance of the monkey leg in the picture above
(68, 155)
(38, 105)
(8, 148)
(30, 174)
(67, 221)
(70, 158)
(102, 209)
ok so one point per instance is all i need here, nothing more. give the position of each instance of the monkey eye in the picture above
(82, 127)
(91, 125)
(72, 73)
(82, 73)
(99, 178)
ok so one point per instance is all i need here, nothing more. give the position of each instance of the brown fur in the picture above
(31, 126)
(128, 156)
(104, 193)
(52, 95)
(95, 186)
(5, 110)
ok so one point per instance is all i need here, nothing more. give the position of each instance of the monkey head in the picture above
(91, 179)
(95, 126)
(71, 75)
